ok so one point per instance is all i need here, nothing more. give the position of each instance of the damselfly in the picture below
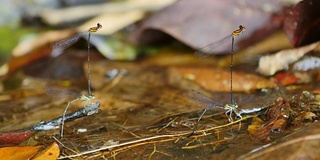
(62, 45)
(216, 48)
(208, 103)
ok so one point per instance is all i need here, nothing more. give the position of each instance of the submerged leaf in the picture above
(301, 144)
(219, 80)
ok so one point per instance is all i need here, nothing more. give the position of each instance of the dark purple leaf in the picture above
(302, 25)
(198, 23)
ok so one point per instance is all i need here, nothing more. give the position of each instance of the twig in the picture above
(204, 144)
(82, 98)
(114, 152)
(55, 123)
(168, 124)
(63, 145)
(155, 151)
(196, 138)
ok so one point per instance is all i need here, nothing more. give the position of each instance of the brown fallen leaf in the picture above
(268, 65)
(18, 152)
(50, 153)
(279, 115)
(200, 23)
(219, 80)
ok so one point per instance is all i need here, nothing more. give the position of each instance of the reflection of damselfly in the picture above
(209, 103)
(219, 47)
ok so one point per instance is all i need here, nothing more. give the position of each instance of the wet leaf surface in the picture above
(215, 79)
(142, 110)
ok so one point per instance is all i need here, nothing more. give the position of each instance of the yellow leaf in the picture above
(51, 153)
(18, 152)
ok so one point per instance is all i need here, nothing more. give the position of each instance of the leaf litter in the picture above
(137, 122)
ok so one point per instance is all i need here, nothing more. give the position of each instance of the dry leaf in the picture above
(200, 23)
(50, 153)
(18, 152)
(119, 21)
(268, 65)
(65, 15)
(307, 63)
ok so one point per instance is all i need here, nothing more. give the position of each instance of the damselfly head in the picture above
(99, 25)
(237, 32)
(95, 29)
(242, 28)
